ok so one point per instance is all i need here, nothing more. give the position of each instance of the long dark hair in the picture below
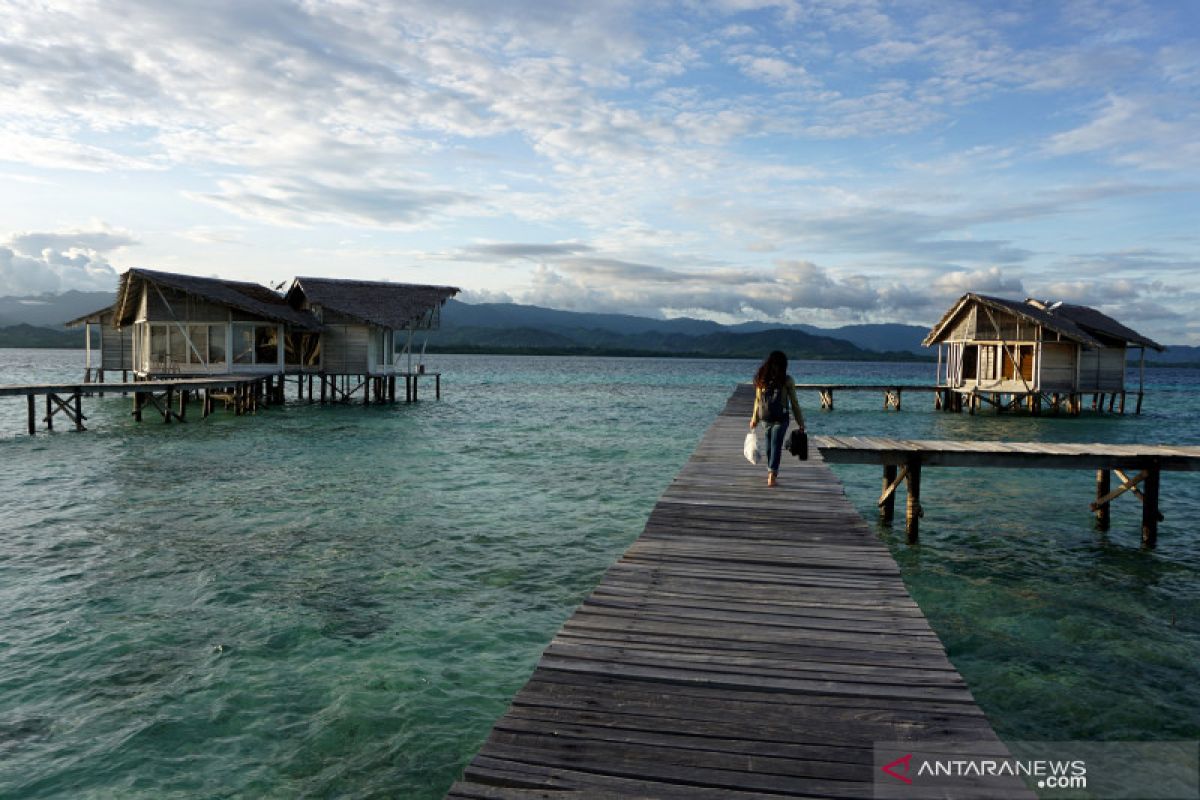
(773, 371)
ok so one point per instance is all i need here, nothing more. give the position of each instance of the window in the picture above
(243, 344)
(216, 344)
(384, 347)
(158, 343)
(255, 344)
(197, 351)
(266, 344)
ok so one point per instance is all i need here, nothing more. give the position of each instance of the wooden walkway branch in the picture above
(752, 642)
(912, 454)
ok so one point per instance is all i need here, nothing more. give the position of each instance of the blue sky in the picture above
(823, 161)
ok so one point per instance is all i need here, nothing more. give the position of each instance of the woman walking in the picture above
(774, 390)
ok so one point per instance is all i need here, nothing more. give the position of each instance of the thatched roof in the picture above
(391, 305)
(1081, 324)
(1102, 325)
(95, 316)
(251, 298)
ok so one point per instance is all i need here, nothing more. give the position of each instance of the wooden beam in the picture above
(31, 401)
(1125, 486)
(913, 510)
(1103, 487)
(1150, 509)
(1136, 492)
(887, 500)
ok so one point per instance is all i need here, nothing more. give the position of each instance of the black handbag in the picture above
(797, 444)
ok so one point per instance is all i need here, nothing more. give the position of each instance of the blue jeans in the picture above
(775, 432)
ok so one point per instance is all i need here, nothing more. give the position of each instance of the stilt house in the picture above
(362, 322)
(183, 325)
(1008, 352)
(169, 325)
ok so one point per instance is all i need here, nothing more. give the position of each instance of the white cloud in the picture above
(39, 262)
(1136, 132)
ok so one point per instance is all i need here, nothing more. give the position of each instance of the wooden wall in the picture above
(1058, 366)
(186, 308)
(345, 349)
(116, 346)
(1102, 370)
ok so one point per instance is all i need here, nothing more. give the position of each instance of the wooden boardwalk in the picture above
(753, 642)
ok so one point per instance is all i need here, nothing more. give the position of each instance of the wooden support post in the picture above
(366, 384)
(137, 406)
(49, 412)
(310, 377)
(1138, 410)
(1121, 409)
(170, 401)
(31, 401)
(324, 384)
(1150, 507)
(206, 404)
(887, 508)
(408, 387)
(437, 383)
(183, 405)
(1112, 399)
(1103, 487)
(79, 412)
(416, 387)
(913, 511)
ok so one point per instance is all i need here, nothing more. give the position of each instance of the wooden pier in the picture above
(949, 399)
(168, 397)
(751, 642)
(902, 460)
(892, 392)
(243, 394)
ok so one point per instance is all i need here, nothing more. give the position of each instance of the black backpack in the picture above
(773, 405)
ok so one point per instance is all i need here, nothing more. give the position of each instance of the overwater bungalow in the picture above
(167, 325)
(362, 322)
(1009, 353)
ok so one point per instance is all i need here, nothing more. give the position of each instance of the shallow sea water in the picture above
(339, 601)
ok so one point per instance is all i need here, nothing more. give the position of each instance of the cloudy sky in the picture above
(822, 161)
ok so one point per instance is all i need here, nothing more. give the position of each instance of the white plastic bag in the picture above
(750, 448)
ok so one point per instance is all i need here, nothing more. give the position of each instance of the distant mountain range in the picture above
(507, 327)
(511, 328)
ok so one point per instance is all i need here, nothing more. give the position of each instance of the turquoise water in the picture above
(339, 601)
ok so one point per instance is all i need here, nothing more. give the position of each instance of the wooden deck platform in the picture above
(902, 460)
(752, 642)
